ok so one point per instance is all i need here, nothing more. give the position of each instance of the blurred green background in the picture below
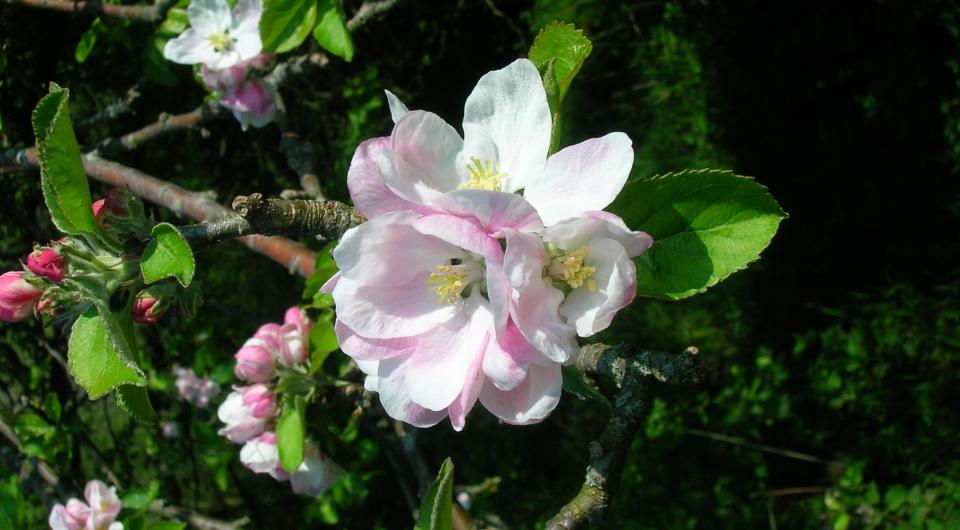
(831, 400)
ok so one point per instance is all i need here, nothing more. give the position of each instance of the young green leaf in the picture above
(706, 224)
(62, 177)
(331, 32)
(12, 508)
(436, 508)
(286, 23)
(576, 384)
(134, 401)
(87, 41)
(567, 45)
(168, 254)
(93, 358)
(290, 432)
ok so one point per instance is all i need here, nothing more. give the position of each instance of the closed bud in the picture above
(147, 309)
(255, 361)
(260, 455)
(17, 296)
(260, 400)
(47, 262)
(241, 424)
(252, 102)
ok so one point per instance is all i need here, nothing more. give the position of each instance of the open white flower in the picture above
(506, 138)
(216, 37)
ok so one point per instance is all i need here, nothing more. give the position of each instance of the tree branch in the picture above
(631, 371)
(165, 123)
(199, 206)
(154, 13)
(368, 11)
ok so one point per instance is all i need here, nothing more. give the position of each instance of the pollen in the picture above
(447, 283)
(221, 41)
(483, 176)
(569, 269)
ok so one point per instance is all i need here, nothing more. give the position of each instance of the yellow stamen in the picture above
(447, 283)
(483, 176)
(571, 270)
(221, 41)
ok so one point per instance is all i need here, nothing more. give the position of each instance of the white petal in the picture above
(397, 108)
(616, 282)
(209, 16)
(571, 234)
(396, 398)
(582, 177)
(510, 106)
(190, 47)
(246, 17)
(248, 44)
(424, 160)
(530, 402)
(380, 312)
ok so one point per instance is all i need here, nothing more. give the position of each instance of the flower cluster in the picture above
(196, 390)
(45, 285)
(98, 513)
(226, 44)
(459, 288)
(249, 411)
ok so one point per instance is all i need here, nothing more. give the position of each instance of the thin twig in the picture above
(165, 123)
(154, 13)
(742, 442)
(368, 11)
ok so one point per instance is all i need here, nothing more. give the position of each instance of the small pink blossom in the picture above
(293, 336)
(47, 262)
(260, 400)
(17, 296)
(241, 422)
(98, 513)
(253, 102)
(73, 516)
(260, 455)
(255, 359)
(226, 79)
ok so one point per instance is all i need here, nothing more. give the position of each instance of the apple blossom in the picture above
(226, 79)
(507, 129)
(315, 474)
(104, 506)
(170, 430)
(260, 455)
(17, 296)
(255, 359)
(260, 400)
(240, 416)
(218, 37)
(193, 389)
(293, 336)
(253, 102)
(47, 262)
(73, 516)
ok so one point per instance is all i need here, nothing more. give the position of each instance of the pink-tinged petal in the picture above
(246, 18)
(209, 16)
(384, 312)
(536, 308)
(424, 157)
(17, 297)
(510, 107)
(390, 250)
(190, 47)
(616, 282)
(571, 234)
(504, 369)
(60, 520)
(499, 292)
(462, 232)
(397, 108)
(495, 210)
(395, 398)
(330, 284)
(364, 349)
(461, 406)
(581, 178)
(531, 401)
(437, 371)
(370, 194)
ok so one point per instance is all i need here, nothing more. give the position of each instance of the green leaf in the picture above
(323, 342)
(436, 508)
(62, 178)
(12, 512)
(567, 45)
(51, 407)
(286, 23)
(94, 357)
(576, 384)
(134, 401)
(168, 254)
(706, 224)
(290, 432)
(87, 41)
(167, 525)
(324, 269)
(155, 67)
(331, 32)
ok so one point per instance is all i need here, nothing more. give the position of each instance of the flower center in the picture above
(569, 269)
(221, 41)
(452, 279)
(483, 176)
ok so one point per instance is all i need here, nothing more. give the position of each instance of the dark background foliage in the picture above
(841, 343)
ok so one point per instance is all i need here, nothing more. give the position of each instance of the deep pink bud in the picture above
(252, 102)
(143, 310)
(17, 297)
(255, 361)
(260, 400)
(47, 262)
(112, 203)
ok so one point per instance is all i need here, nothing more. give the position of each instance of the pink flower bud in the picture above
(293, 335)
(47, 262)
(113, 203)
(146, 310)
(260, 400)
(73, 516)
(260, 455)
(255, 361)
(46, 306)
(17, 297)
(315, 474)
(241, 424)
(253, 102)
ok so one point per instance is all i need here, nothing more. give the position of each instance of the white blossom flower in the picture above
(218, 37)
